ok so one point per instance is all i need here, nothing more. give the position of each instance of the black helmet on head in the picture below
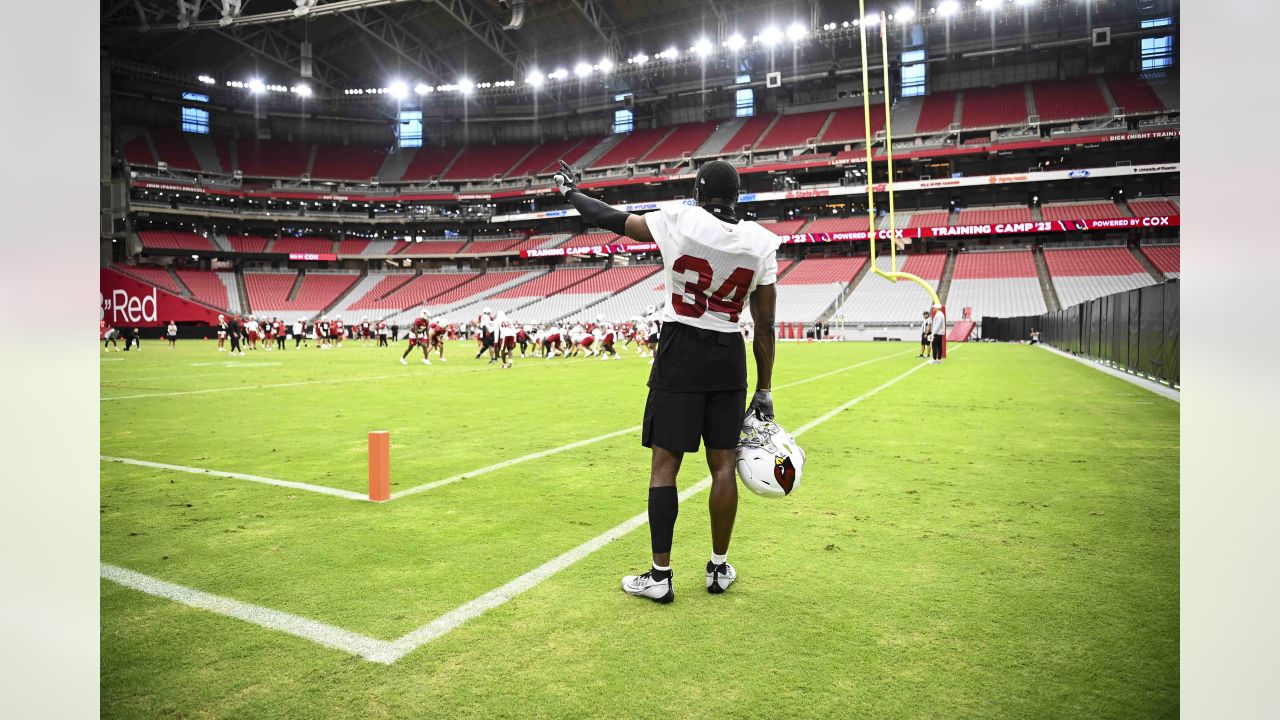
(717, 180)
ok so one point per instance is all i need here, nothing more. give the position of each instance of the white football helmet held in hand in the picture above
(770, 462)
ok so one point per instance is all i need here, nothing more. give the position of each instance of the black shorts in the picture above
(676, 421)
(691, 359)
(653, 338)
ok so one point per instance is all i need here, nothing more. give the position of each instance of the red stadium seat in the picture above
(483, 162)
(994, 107)
(793, 130)
(347, 162)
(684, 139)
(936, 113)
(1069, 99)
(747, 135)
(1134, 94)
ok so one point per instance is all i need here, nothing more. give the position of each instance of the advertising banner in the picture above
(125, 302)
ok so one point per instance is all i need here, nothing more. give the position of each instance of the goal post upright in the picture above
(893, 275)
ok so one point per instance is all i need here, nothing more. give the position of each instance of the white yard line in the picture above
(240, 476)
(317, 632)
(388, 652)
(1144, 383)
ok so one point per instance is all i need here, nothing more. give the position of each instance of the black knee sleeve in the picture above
(664, 505)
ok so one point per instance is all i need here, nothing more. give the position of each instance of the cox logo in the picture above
(1078, 173)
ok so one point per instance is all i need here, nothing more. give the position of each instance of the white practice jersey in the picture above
(710, 267)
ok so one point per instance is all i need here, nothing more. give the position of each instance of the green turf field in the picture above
(993, 537)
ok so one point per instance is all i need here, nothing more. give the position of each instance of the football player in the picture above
(437, 329)
(222, 333)
(607, 336)
(419, 336)
(713, 263)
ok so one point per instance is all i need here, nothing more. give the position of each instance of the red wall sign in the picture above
(125, 302)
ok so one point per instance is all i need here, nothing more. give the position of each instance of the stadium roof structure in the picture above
(365, 41)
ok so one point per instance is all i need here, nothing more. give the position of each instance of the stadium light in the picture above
(638, 59)
(605, 66)
(558, 74)
(871, 20)
(422, 88)
(671, 53)
(206, 80)
(735, 42)
(770, 36)
(582, 69)
(796, 32)
(466, 86)
(303, 91)
(947, 8)
(256, 86)
(702, 47)
(535, 78)
(398, 89)
(905, 13)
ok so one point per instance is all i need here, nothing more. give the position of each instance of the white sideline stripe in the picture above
(512, 461)
(384, 652)
(1141, 382)
(240, 476)
(317, 632)
(589, 441)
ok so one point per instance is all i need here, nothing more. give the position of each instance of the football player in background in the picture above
(608, 334)
(712, 263)
(418, 337)
(382, 333)
(437, 328)
(222, 333)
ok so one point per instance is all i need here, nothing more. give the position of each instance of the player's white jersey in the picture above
(710, 267)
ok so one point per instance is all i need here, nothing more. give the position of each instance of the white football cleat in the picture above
(645, 586)
(403, 361)
(444, 359)
(720, 577)
(426, 361)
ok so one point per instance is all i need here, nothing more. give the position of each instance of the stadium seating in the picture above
(993, 215)
(747, 135)
(173, 148)
(247, 243)
(428, 162)
(929, 218)
(784, 227)
(1081, 274)
(630, 149)
(222, 146)
(138, 152)
(483, 162)
(849, 125)
(994, 107)
(480, 247)
(549, 284)
(999, 284)
(367, 293)
(793, 130)
(1134, 94)
(420, 289)
(577, 299)
(428, 247)
(1165, 258)
(353, 246)
(812, 285)
(630, 303)
(269, 292)
(878, 300)
(276, 159)
(212, 288)
(838, 225)
(287, 245)
(594, 237)
(157, 276)
(174, 240)
(1069, 99)
(355, 162)
(543, 159)
(1154, 207)
(1080, 211)
(936, 113)
(684, 139)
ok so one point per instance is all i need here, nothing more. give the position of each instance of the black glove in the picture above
(762, 404)
(564, 179)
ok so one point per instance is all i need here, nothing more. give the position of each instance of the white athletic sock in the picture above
(661, 568)
(718, 559)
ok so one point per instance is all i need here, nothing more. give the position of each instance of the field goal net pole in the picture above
(893, 275)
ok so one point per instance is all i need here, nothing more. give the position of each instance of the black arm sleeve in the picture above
(598, 213)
